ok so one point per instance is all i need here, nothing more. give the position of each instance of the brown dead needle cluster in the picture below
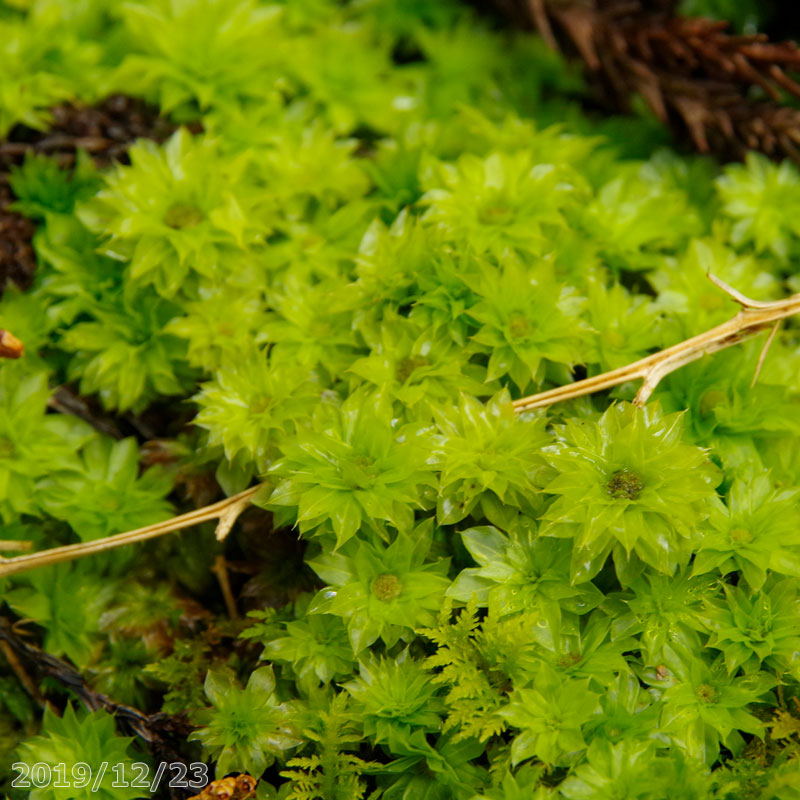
(724, 91)
(164, 734)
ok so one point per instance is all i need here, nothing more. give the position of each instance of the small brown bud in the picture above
(10, 346)
(222, 789)
(245, 785)
(241, 787)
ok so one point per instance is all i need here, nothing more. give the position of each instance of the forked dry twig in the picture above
(753, 318)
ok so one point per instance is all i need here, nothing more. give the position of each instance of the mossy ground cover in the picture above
(376, 224)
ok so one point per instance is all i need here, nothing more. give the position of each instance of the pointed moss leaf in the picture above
(521, 572)
(91, 740)
(349, 467)
(629, 480)
(382, 591)
(245, 729)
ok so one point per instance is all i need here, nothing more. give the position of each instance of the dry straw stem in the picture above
(753, 318)
(225, 511)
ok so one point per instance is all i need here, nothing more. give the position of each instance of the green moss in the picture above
(368, 240)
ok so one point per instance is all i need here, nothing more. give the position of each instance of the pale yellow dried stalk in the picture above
(18, 545)
(225, 511)
(753, 318)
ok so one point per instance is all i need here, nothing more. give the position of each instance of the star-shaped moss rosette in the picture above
(629, 712)
(87, 744)
(316, 646)
(705, 706)
(503, 201)
(628, 326)
(67, 600)
(420, 365)
(382, 591)
(628, 486)
(549, 716)
(527, 318)
(637, 770)
(180, 214)
(398, 703)
(726, 412)
(245, 729)
(755, 531)
(661, 610)
(392, 258)
(44, 62)
(124, 354)
(219, 325)
(638, 216)
(203, 54)
(106, 493)
(489, 459)
(585, 647)
(251, 405)
(520, 571)
(755, 628)
(354, 466)
(694, 302)
(309, 324)
(32, 445)
(758, 196)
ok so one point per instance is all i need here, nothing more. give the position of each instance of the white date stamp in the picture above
(136, 775)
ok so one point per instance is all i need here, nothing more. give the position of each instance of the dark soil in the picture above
(105, 131)
(17, 259)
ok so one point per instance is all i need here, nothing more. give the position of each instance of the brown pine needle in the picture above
(16, 665)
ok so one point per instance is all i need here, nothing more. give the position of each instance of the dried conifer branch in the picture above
(231, 513)
(220, 570)
(691, 72)
(55, 555)
(753, 318)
